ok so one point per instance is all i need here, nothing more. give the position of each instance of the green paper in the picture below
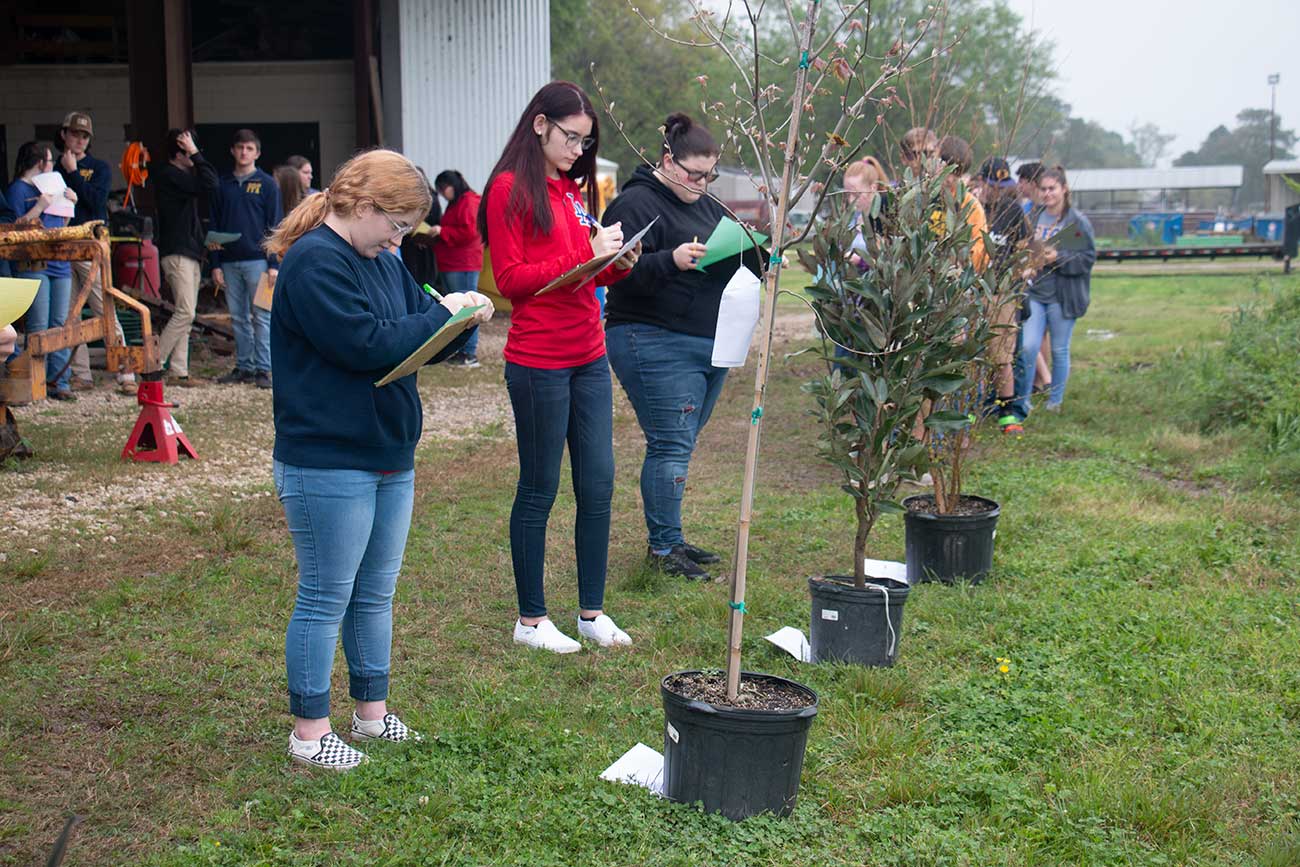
(728, 239)
(221, 238)
(450, 330)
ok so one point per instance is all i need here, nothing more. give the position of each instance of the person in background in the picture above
(1009, 232)
(661, 325)
(305, 173)
(8, 341)
(289, 183)
(247, 201)
(536, 217)
(1060, 293)
(917, 149)
(954, 152)
(1027, 175)
(90, 178)
(458, 248)
(864, 181)
(417, 248)
(346, 312)
(178, 185)
(50, 307)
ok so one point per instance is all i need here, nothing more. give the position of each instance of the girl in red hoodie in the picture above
(458, 249)
(536, 218)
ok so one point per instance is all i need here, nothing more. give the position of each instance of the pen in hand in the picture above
(433, 292)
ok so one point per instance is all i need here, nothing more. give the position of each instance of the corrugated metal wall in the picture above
(466, 70)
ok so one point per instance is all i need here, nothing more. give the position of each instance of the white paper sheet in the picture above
(737, 316)
(639, 766)
(890, 569)
(52, 182)
(793, 642)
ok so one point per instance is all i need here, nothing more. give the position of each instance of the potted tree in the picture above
(896, 326)
(735, 740)
(948, 533)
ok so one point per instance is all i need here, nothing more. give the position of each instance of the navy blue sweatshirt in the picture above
(656, 292)
(249, 206)
(90, 182)
(339, 323)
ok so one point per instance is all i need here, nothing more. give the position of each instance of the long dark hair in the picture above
(455, 180)
(30, 154)
(290, 184)
(523, 156)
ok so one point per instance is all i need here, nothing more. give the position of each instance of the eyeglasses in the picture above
(708, 175)
(572, 138)
(399, 231)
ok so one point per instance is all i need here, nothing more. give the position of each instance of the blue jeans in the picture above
(463, 281)
(552, 407)
(670, 379)
(1045, 318)
(349, 533)
(252, 325)
(50, 310)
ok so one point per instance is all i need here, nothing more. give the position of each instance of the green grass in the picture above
(1144, 591)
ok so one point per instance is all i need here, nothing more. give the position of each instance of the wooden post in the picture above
(764, 358)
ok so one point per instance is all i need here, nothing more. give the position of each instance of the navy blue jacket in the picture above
(251, 207)
(90, 182)
(339, 323)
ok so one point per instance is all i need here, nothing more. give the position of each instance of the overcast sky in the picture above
(1187, 67)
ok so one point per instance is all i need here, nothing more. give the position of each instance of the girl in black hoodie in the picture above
(660, 324)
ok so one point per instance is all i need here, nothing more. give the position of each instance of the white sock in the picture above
(302, 747)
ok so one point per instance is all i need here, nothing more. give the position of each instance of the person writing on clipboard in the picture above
(661, 323)
(346, 314)
(536, 221)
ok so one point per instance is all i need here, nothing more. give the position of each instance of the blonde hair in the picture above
(382, 177)
(869, 171)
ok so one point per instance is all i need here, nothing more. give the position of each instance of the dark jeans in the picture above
(552, 407)
(672, 384)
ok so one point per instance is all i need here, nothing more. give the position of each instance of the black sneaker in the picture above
(699, 555)
(460, 359)
(676, 562)
(236, 377)
(263, 379)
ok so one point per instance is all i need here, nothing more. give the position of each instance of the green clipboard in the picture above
(450, 330)
(221, 238)
(1070, 237)
(728, 239)
(16, 295)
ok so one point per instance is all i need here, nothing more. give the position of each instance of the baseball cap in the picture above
(996, 170)
(78, 120)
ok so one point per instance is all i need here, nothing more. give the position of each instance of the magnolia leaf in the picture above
(889, 507)
(947, 420)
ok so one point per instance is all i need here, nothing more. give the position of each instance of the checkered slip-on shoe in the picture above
(393, 730)
(329, 753)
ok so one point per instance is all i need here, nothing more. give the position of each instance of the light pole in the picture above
(1272, 115)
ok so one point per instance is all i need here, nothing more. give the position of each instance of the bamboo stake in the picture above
(764, 357)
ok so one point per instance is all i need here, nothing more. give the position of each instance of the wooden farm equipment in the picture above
(156, 436)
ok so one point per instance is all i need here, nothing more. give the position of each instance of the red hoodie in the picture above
(458, 246)
(561, 328)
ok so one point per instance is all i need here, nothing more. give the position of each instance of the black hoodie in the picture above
(656, 292)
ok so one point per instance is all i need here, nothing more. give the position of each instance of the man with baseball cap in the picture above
(90, 178)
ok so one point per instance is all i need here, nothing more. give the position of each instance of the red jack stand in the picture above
(156, 435)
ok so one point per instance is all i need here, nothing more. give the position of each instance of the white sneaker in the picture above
(390, 728)
(544, 636)
(329, 753)
(604, 632)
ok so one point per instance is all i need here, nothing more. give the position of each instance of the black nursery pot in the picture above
(948, 547)
(738, 762)
(852, 625)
